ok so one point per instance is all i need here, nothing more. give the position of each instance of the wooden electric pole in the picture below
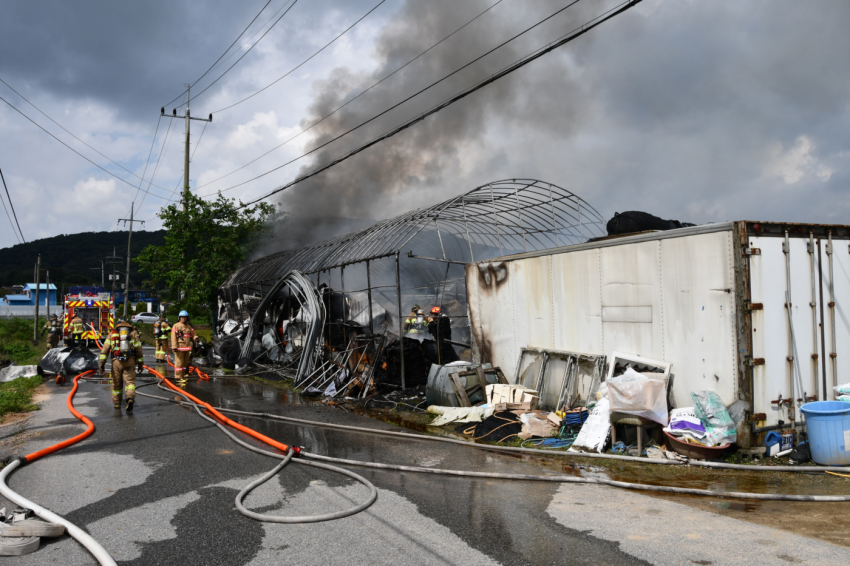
(129, 241)
(35, 324)
(188, 117)
(113, 259)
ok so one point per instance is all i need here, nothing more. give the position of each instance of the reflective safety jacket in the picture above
(415, 324)
(123, 344)
(77, 326)
(182, 337)
(161, 330)
(52, 327)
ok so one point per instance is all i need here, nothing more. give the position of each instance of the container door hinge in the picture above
(750, 362)
(748, 251)
(756, 417)
(754, 306)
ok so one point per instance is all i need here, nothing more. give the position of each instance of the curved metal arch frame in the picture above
(510, 215)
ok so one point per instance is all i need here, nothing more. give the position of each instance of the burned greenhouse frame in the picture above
(370, 279)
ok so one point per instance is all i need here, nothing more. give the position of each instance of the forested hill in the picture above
(69, 257)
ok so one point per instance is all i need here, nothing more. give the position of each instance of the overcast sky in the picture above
(701, 111)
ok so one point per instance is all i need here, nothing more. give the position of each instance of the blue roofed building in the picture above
(27, 296)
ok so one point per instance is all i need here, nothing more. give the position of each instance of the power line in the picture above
(244, 54)
(12, 224)
(170, 200)
(577, 32)
(225, 51)
(12, 206)
(378, 5)
(71, 148)
(412, 96)
(253, 35)
(153, 141)
(158, 161)
(340, 107)
(192, 157)
(71, 134)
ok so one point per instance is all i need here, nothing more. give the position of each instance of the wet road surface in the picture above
(158, 487)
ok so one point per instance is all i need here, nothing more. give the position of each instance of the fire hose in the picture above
(301, 453)
(217, 418)
(100, 553)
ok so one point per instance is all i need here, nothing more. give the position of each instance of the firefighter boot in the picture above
(129, 405)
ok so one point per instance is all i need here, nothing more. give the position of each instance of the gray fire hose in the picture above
(492, 475)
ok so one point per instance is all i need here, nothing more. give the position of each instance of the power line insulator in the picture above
(210, 117)
(162, 111)
(174, 112)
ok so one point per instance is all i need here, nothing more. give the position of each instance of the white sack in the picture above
(635, 394)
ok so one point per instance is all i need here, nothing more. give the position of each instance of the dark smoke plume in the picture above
(432, 160)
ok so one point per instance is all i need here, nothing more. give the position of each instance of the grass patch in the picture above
(16, 341)
(16, 396)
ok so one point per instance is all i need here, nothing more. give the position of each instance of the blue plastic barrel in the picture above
(828, 425)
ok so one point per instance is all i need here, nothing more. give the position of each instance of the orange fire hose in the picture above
(65, 443)
(201, 375)
(214, 413)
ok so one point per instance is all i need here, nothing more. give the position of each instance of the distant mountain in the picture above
(68, 257)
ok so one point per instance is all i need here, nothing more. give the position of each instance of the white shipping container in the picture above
(708, 299)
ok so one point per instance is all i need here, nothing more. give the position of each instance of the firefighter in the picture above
(410, 321)
(126, 350)
(161, 329)
(440, 328)
(53, 331)
(77, 329)
(182, 339)
(418, 324)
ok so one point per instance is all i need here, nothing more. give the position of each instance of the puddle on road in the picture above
(737, 506)
(238, 392)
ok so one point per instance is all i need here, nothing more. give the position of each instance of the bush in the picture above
(16, 396)
(16, 341)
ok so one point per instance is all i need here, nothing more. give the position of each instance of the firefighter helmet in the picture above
(435, 310)
(184, 313)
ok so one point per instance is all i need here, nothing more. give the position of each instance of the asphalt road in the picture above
(158, 487)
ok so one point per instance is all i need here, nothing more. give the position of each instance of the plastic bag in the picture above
(635, 394)
(685, 424)
(719, 426)
(842, 389)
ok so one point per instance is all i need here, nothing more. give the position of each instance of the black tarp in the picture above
(635, 221)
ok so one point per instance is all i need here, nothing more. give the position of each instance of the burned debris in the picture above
(373, 311)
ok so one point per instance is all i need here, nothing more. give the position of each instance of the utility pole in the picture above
(102, 276)
(187, 117)
(35, 324)
(129, 240)
(113, 259)
(47, 302)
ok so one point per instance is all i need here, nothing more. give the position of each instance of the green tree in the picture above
(203, 244)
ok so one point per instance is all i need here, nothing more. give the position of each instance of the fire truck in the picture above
(95, 308)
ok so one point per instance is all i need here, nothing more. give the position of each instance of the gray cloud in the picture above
(703, 111)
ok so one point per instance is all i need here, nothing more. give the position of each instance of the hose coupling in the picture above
(296, 449)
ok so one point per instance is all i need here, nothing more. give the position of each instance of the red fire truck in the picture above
(94, 308)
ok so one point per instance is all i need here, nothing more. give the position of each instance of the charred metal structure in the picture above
(369, 280)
